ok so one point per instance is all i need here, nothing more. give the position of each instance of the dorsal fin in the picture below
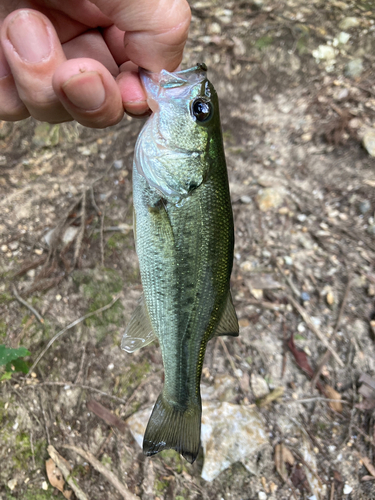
(228, 324)
(139, 331)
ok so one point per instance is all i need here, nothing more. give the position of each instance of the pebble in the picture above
(4, 248)
(14, 245)
(354, 68)
(305, 296)
(262, 495)
(31, 273)
(324, 52)
(369, 141)
(364, 206)
(38, 251)
(245, 199)
(270, 198)
(118, 164)
(371, 229)
(302, 217)
(349, 22)
(288, 260)
(347, 489)
(12, 484)
(45, 486)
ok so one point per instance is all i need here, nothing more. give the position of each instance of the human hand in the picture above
(72, 60)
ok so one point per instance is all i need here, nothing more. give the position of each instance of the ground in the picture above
(296, 86)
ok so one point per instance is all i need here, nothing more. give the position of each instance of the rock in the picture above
(305, 296)
(354, 68)
(364, 206)
(347, 489)
(270, 198)
(324, 53)
(259, 386)
(214, 29)
(118, 164)
(349, 22)
(369, 141)
(371, 229)
(245, 199)
(4, 248)
(230, 433)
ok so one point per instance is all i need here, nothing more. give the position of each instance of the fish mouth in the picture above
(155, 83)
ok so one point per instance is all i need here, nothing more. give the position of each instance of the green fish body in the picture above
(184, 240)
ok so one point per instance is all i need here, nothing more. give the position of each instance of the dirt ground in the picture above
(297, 113)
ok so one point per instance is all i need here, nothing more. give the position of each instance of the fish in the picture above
(184, 238)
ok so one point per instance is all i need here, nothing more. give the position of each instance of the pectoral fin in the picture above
(228, 324)
(139, 331)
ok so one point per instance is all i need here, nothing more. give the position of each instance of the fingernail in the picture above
(29, 36)
(137, 108)
(85, 90)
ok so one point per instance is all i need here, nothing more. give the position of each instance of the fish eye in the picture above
(201, 109)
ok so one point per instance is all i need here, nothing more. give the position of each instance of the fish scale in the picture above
(184, 242)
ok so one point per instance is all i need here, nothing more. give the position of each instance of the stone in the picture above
(354, 68)
(259, 386)
(230, 433)
(364, 206)
(349, 22)
(369, 141)
(118, 164)
(270, 198)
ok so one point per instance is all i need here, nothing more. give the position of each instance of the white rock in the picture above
(262, 495)
(347, 489)
(369, 141)
(324, 53)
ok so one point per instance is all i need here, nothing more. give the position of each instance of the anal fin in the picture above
(139, 331)
(228, 324)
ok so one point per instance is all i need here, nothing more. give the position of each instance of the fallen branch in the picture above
(109, 475)
(24, 303)
(327, 354)
(62, 465)
(71, 325)
(313, 328)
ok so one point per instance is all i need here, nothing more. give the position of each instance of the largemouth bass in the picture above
(184, 236)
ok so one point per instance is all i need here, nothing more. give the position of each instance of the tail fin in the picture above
(169, 427)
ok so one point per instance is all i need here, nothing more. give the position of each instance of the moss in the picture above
(119, 241)
(132, 377)
(5, 297)
(34, 494)
(99, 287)
(22, 452)
(264, 42)
(173, 460)
(106, 460)
(161, 486)
(3, 330)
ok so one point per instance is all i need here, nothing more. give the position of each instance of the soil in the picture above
(302, 187)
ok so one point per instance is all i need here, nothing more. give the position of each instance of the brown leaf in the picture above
(302, 362)
(54, 475)
(332, 394)
(367, 463)
(106, 415)
(272, 396)
(68, 494)
(283, 456)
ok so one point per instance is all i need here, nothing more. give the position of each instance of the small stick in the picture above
(230, 359)
(61, 464)
(312, 400)
(74, 323)
(102, 237)
(332, 495)
(327, 354)
(45, 420)
(24, 303)
(83, 357)
(81, 233)
(293, 287)
(313, 328)
(109, 475)
(285, 343)
(266, 305)
(32, 448)
(93, 202)
(86, 387)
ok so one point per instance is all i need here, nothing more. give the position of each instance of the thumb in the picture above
(155, 30)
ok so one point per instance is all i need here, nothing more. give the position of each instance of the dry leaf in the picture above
(272, 396)
(302, 361)
(283, 456)
(366, 462)
(54, 475)
(68, 494)
(332, 394)
(106, 415)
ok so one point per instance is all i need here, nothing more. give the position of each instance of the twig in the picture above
(24, 303)
(230, 359)
(327, 354)
(313, 328)
(79, 239)
(293, 287)
(45, 420)
(85, 387)
(83, 357)
(332, 495)
(102, 237)
(312, 400)
(266, 305)
(93, 202)
(109, 475)
(32, 448)
(61, 464)
(71, 325)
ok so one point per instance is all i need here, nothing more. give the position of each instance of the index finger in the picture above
(155, 30)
